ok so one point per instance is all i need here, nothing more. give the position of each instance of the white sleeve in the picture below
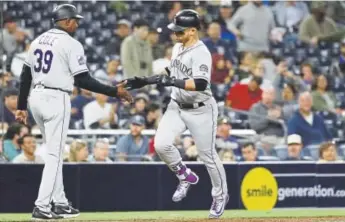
(77, 59)
(202, 63)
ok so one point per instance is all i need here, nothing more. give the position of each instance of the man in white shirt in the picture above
(28, 145)
(100, 114)
(159, 65)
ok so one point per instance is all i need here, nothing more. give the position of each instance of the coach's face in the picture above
(72, 25)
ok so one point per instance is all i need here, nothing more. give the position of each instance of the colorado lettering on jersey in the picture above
(47, 40)
(182, 67)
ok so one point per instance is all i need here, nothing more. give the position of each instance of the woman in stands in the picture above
(78, 151)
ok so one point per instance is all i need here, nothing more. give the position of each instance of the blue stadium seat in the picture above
(314, 151)
(281, 151)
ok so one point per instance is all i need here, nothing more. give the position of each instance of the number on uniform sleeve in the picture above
(43, 61)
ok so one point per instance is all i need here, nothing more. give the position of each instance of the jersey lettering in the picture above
(46, 40)
(43, 61)
(182, 67)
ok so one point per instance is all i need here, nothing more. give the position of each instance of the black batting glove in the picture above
(136, 83)
(166, 80)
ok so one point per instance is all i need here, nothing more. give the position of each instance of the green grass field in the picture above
(190, 215)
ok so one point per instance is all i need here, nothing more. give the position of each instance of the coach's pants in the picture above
(51, 110)
(202, 123)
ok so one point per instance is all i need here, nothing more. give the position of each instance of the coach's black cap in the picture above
(140, 23)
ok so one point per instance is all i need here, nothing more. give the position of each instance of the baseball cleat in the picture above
(65, 211)
(184, 186)
(218, 206)
(38, 214)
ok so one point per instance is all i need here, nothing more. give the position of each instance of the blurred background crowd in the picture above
(278, 69)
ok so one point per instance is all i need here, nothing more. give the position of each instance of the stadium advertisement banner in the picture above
(109, 187)
(270, 186)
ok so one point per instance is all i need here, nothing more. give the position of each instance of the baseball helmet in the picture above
(65, 11)
(184, 19)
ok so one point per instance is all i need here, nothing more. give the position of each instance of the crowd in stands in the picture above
(278, 68)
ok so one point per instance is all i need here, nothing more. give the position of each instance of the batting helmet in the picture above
(65, 11)
(184, 19)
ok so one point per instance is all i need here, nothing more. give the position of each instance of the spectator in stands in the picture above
(257, 69)
(307, 124)
(290, 14)
(289, 101)
(100, 152)
(140, 103)
(174, 7)
(10, 106)
(153, 39)
(11, 147)
(134, 146)
(13, 37)
(214, 43)
(123, 29)
(222, 71)
(226, 156)
(27, 144)
(187, 148)
(307, 75)
(112, 74)
(159, 64)
(246, 59)
(100, 114)
(336, 11)
(153, 116)
(323, 98)
(136, 52)
(328, 153)
(224, 17)
(249, 152)
(224, 139)
(317, 26)
(78, 103)
(252, 25)
(205, 19)
(18, 60)
(284, 76)
(244, 96)
(78, 151)
(295, 148)
(265, 116)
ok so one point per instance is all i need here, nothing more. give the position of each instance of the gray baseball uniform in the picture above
(193, 62)
(54, 58)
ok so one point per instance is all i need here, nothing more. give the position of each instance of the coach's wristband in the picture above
(179, 83)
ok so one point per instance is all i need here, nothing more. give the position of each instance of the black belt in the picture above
(53, 88)
(190, 105)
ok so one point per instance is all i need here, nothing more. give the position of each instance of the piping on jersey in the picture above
(213, 149)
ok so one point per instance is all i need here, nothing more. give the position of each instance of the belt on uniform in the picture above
(53, 88)
(190, 105)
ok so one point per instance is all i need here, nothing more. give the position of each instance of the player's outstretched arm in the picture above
(139, 82)
(85, 81)
(24, 89)
(189, 84)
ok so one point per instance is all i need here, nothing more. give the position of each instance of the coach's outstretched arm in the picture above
(85, 81)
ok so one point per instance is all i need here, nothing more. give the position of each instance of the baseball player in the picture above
(55, 62)
(192, 107)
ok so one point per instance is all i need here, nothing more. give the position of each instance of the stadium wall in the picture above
(149, 186)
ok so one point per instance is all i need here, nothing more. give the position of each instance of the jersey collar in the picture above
(59, 29)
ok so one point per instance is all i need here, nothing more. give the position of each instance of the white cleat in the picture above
(184, 186)
(218, 206)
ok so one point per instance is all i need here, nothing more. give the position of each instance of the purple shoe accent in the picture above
(192, 178)
(182, 170)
